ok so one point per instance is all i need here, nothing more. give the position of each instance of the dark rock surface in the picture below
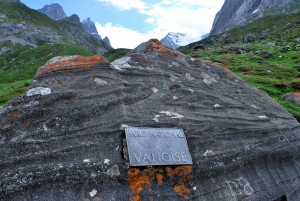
(64, 138)
(296, 67)
(200, 47)
(107, 41)
(54, 11)
(73, 19)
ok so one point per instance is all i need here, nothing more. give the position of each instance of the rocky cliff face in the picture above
(74, 19)
(107, 41)
(54, 11)
(240, 12)
(89, 27)
(64, 138)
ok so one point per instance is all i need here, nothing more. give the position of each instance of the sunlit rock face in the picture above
(54, 11)
(240, 12)
(64, 138)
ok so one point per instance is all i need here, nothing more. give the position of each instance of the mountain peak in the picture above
(173, 40)
(54, 11)
(107, 41)
(154, 46)
(87, 20)
(90, 27)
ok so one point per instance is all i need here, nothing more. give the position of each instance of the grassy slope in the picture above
(18, 65)
(116, 54)
(276, 75)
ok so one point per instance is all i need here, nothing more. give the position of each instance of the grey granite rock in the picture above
(69, 144)
(54, 11)
(240, 12)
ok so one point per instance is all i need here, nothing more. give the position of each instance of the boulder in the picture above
(250, 38)
(293, 97)
(296, 68)
(64, 139)
(229, 41)
(264, 36)
(271, 44)
(200, 47)
(266, 55)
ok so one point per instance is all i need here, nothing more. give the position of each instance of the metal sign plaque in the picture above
(157, 146)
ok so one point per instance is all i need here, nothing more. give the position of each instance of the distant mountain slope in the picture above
(265, 53)
(54, 11)
(173, 40)
(23, 25)
(28, 39)
(240, 12)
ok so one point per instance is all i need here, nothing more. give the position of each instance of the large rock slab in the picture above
(64, 138)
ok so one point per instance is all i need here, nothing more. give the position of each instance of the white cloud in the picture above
(121, 37)
(126, 4)
(150, 20)
(193, 17)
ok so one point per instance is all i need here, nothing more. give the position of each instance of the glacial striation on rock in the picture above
(66, 140)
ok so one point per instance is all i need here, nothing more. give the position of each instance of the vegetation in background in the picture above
(266, 51)
(19, 64)
(116, 54)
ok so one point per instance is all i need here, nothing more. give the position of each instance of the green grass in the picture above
(9, 91)
(17, 12)
(275, 75)
(116, 54)
(19, 65)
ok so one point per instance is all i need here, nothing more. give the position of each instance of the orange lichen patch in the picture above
(136, 198)
(14, 115)
(140, 180)
(296, 93)
(159, 178)
(179, 171)
(137, 180)
(182, 190)
(155, 45)
(69, 62)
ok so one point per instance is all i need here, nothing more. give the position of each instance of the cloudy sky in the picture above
(130, 22)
